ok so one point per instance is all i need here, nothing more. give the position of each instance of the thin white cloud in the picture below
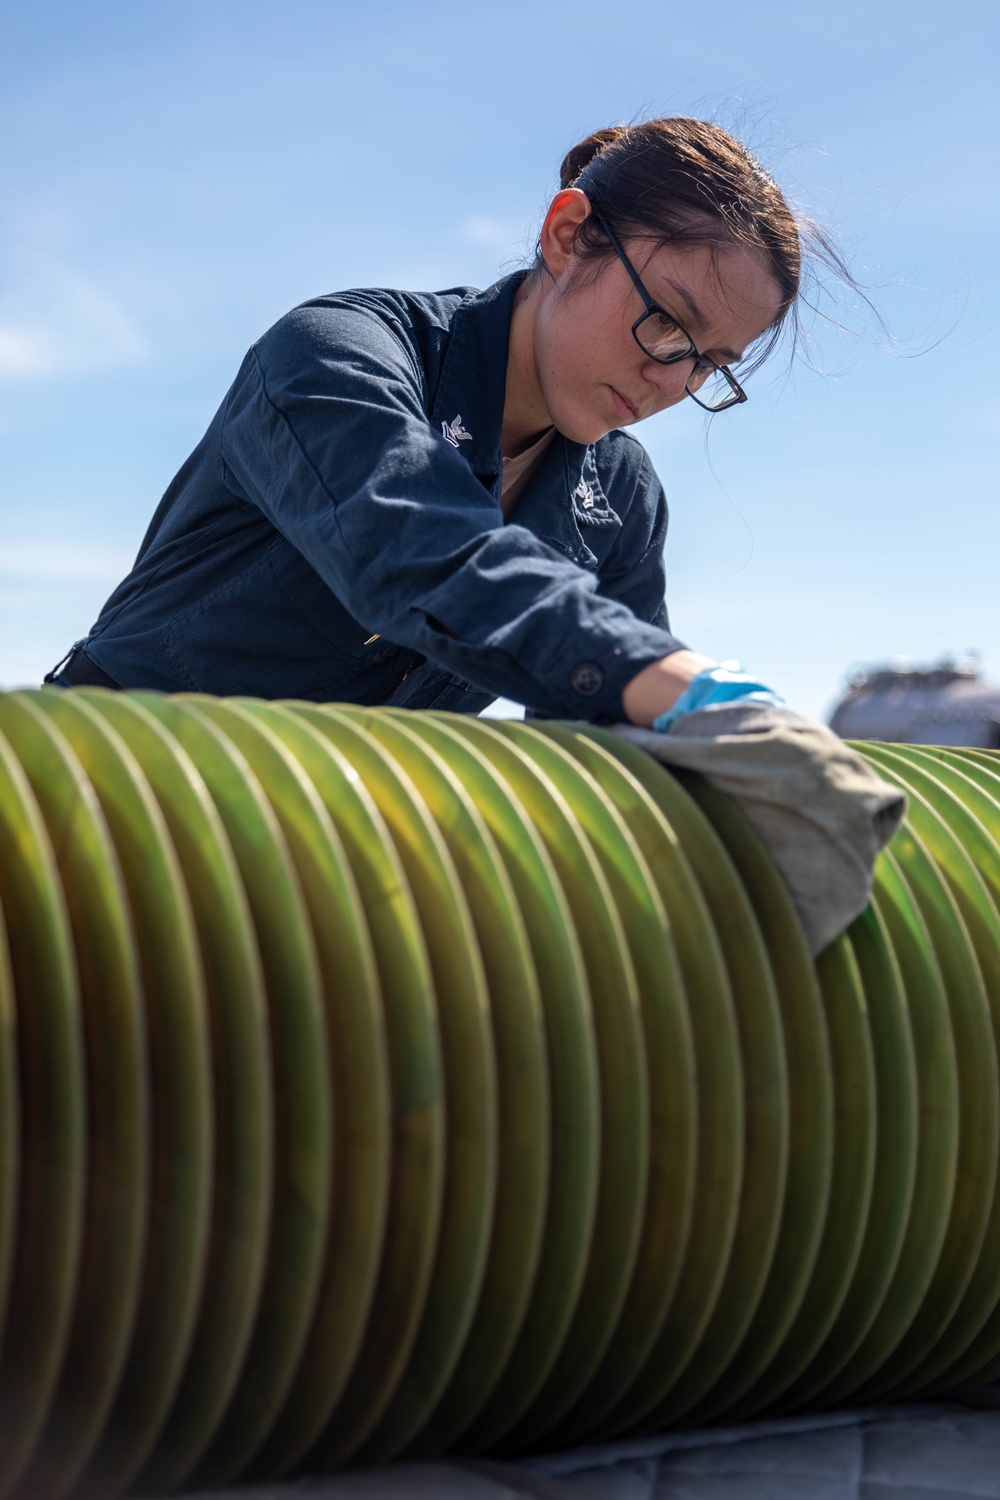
(482, 230)
(55, 322)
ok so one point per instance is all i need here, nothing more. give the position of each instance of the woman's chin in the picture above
(585, 426)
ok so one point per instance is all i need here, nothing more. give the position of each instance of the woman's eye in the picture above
(660, 336)
(662, 326)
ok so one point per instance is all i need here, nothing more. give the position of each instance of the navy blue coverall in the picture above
(337, 533)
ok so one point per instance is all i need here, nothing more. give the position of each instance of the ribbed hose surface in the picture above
(377, 1082)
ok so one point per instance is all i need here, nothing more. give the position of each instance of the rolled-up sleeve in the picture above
(326, 431)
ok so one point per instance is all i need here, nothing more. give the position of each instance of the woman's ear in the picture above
(567, 211)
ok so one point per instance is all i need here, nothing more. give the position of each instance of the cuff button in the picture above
(587, 679)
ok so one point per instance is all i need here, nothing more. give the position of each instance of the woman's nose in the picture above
(669, 380)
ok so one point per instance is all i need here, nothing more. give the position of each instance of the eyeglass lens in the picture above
(660, 336)
(712, 388)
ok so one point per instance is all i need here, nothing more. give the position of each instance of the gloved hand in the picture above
(723, 684)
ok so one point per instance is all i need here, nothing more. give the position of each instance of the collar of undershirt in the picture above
(513, 468)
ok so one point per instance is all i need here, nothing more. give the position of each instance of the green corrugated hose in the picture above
(379, 1083)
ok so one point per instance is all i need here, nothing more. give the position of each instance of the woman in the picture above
(430, 500)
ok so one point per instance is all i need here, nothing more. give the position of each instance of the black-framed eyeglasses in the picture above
(659, 335)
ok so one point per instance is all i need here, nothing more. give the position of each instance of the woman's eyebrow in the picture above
(687, 299)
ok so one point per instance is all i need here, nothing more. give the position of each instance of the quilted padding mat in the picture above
(906, 1452)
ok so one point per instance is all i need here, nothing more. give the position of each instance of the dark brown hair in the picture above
(680, 181)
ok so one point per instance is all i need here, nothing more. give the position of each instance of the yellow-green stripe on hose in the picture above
(378, 1083)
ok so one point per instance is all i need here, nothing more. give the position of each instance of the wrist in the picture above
(657, 687)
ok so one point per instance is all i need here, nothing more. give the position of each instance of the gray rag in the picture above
(820, 810)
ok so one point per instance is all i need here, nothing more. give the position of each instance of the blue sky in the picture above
(176, 175)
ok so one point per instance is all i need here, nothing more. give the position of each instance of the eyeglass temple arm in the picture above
(647, 300)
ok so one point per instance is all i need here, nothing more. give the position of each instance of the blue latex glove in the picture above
(717, 685)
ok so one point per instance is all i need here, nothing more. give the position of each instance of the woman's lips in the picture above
(624, 407)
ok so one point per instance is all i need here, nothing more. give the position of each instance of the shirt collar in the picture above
(469, 403)
(469, 399)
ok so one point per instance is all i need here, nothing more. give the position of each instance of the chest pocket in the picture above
(585, 528)
(598, 524)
